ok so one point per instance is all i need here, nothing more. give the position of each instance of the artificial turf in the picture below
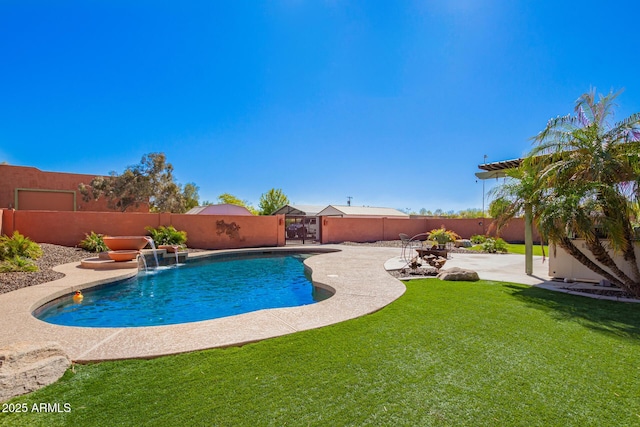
(445, 353)
(515, 248)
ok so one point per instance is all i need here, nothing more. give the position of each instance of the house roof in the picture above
(359, 211)
(299, 210)
(221, 209)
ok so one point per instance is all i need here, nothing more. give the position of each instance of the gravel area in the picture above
(52, 255)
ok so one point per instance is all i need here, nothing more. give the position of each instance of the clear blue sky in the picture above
(394, 103)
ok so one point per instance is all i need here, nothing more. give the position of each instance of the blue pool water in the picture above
(198, 290)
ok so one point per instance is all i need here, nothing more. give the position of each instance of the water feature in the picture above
(155, 252)
(175, 251)
(201, 289)
(144, 262)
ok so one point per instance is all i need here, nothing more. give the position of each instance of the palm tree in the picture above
(587, 176)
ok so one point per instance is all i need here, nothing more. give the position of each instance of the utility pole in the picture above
(483, 215)
(349, 200)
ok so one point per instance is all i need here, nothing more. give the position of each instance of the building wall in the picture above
(54, 194)
(564, 266)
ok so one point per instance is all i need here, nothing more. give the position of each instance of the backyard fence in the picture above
(226, 231)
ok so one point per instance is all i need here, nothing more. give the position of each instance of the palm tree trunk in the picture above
(630, 252)
(601, 254)
(603, 257)
(566, 244)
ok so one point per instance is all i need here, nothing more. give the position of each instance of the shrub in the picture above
(167, 236)
(18, 246)
(17, 263)
(93, 243)
(492, 245)
(478, 239)
(442, 235)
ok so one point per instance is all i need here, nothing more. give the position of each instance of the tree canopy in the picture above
(272, 200)
(151, 182)
(582, 180)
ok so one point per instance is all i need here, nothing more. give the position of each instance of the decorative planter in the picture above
(124, 255)
(120, 243)
(170, 248)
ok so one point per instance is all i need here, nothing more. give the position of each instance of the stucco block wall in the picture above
(228, 232)
(69, 228)
(203, 231)
(337, 229)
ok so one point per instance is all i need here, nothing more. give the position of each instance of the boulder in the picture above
(463, 243)
(458, 274)
(25, 367)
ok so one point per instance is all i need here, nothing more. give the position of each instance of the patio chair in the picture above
(409, 244)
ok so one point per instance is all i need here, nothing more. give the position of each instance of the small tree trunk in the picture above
(566, 244)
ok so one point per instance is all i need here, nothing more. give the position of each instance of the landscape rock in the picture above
(26, 367)
(463, 243)
(458, 274)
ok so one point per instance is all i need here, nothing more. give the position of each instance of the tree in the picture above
(233, 200)
(469, 213)
(499, 206)
(190, 196)
(582, 179)
(272, 200)
(149, 182)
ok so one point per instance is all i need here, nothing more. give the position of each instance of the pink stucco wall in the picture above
(336, 230)
(226, 231)
(203, 231)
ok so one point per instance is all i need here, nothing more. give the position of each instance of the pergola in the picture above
(499, 170)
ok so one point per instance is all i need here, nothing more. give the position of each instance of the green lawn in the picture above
(519, 249)
(446, 353)
(513, 248)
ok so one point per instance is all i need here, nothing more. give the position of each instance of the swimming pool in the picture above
(200, 289)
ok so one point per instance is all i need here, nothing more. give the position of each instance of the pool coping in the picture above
(356, 275)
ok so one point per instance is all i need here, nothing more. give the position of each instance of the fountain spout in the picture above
(144, 262)
(153, 246)
(175, 250)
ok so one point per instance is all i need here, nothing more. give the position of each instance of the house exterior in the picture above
(220, 209)
(361, 212)
(29, 188)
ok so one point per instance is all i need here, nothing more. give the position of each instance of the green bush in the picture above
(17, 253)
(18, 246)
(493, 246)
(17, 263)
(167, 236)
(93, 243)
(478, 239)
(442, 235)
